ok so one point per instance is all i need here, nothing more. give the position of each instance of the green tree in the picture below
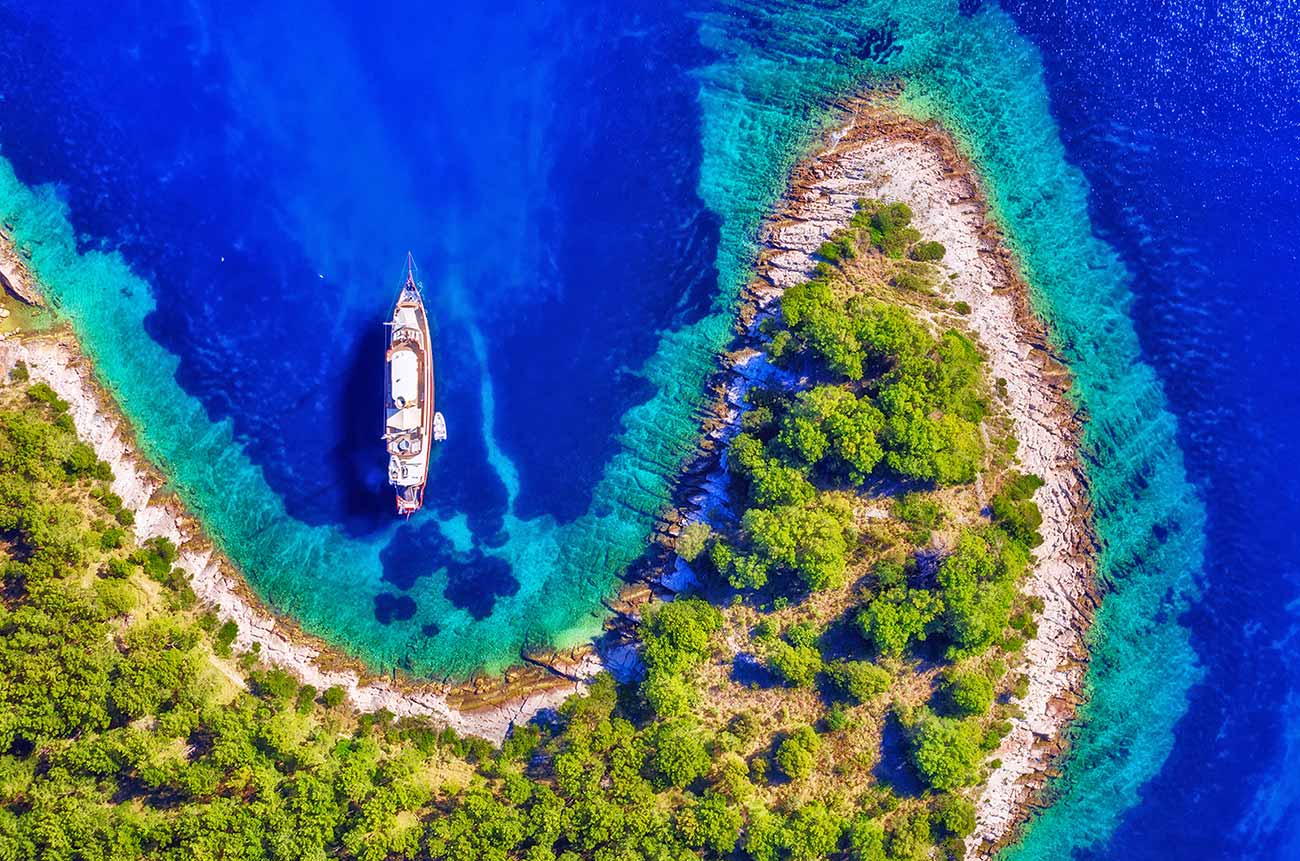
(866, 839)
(898, 617)
(678, 635)
(711, 823)
(813, 832)
(811, 542)
(680, 756)
(978, 585)
(910, 838)
(803, 439)
(801, 301)
(668, 694)
(955, 815)
(155, 669)
(796, 755)
(830, 426)
(765, 835)
(778, 484)
(946, 752)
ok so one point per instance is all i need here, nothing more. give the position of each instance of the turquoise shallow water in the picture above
(759, 77)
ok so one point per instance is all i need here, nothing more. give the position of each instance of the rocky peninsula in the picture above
(879, 153)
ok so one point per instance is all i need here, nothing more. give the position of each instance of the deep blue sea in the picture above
(221, 199)
(1185, 118)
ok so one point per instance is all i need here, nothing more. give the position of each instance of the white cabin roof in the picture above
(404, 370)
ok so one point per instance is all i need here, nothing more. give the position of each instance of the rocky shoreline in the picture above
(486, 707)
(15, 277)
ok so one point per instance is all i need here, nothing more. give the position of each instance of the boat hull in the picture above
(410, 417)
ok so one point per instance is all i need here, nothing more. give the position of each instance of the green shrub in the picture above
(156, 558)
(962, 308)
(796, 755)
(837, 718)
(226, 635)
(839, 247)
(954, 815)
(887, 225)
(306, 699)
(521, 742)
(81, 462)
(803, 634)
(118, 569)
(19, 373)
(112, 538)
(333, 697)
(1014, 510)
(745, 726)
(759, 419)
(795, 665)
(721, 559)
(994, 734)
(692, 540)
(858, 681)
(43, 394)
(802, 439)
(776, 483)
(912, 282)
(919, 509)
(831, 252)
(928, 251)
(117, 597)
(970, 693)
(1022, 485)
